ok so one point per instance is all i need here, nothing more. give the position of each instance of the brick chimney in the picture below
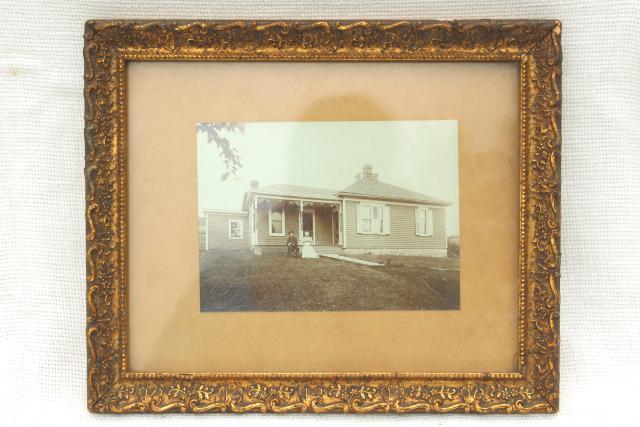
(367, 173)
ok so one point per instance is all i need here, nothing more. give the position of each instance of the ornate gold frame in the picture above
(534, 45)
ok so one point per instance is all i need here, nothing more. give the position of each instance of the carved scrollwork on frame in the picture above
(535, 45)
(322, 397)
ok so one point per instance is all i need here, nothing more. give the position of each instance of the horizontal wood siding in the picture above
(262, 225)
(218, 228)
(323, 227)
(402, 232)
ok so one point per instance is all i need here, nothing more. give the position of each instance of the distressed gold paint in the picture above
(533, 45)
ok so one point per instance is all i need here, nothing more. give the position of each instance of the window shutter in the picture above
(417, 215)
(386, 220)
(429, 222)
(358, 219)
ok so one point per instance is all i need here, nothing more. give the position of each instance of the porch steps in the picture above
(349, 259)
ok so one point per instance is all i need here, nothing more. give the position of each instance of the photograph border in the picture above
(533, 44)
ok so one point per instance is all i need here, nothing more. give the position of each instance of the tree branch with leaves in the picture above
(230, 154)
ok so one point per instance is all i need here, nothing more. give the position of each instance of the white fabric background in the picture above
(42, 274)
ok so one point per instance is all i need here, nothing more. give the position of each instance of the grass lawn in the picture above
(241, 281)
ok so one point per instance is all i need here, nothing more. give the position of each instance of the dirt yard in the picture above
(241, 281)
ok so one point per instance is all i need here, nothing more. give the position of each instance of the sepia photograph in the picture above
(328, 216)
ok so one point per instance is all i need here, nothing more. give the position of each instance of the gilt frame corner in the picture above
(533, 45)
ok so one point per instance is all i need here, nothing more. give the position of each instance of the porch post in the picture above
(333, 227)
(300, 220)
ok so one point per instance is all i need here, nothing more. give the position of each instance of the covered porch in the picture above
(272, 218)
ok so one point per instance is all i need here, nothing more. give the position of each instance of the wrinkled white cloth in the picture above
(42, 265)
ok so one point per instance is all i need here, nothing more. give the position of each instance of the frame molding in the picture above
(534, 45)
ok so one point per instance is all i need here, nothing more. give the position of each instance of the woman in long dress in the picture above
(307, 247)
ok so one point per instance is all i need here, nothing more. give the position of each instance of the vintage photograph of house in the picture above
(328, 216)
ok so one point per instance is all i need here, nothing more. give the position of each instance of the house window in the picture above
(365, 219)
(424, 222)
(276, 222)
(235, 229)
(373, 219)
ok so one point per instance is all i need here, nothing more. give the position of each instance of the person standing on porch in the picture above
(307, 247)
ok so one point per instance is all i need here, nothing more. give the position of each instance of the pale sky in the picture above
(421, 156)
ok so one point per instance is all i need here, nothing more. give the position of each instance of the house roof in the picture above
(381, 190)
(225, 212)
(297, 191)
(366, 188)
